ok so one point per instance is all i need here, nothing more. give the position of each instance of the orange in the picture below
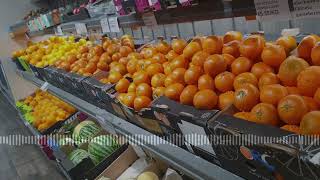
(310, 123)
(144, 89)
(178, 75)
(273, 55)
(311, 103)
(135, 55)
(290, 69)
(178, 45)
(291, 109)
(157, 80)
(148, 52)
(214, 65)
(159, 91)
(163, 47)
(121, 97)
(125, 51)
(192, 75)
(205, 99)
(191, 49)
(141, 77)
(153, 69)
(304, 49)
(112, 48)
(105, 44)
(186, 97)
(291, 128)
(199, 58)
(272, 94)
(114, 77)
(268, 79)
(105, 58)
(141, 102)
(244, 115)
(98, 50)
(246, 97)
(124, 60)
(166, 68)
(131, 66)
(212, 45)
(241, 65)
(316, 96)
(174, 91)
(112, 64)
(103, 66)
(159, 58)
(169, 80)
(205, 82)
(232, 48)
(308, 82)
(289, 43)
(293, 90)
(122, 85)
(252, 47)
(119, 68)
(116, 57)
(226, 99)
(132, 87)
(264, 113)
(231, 36)
(179, 62)
(315, 54)
(228, 59)
(224, 81)
(244, 78)
(171, 55)
(259, 68)
(128, 99)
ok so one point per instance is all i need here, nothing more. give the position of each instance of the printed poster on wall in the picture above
(305, 9)
(272, 10)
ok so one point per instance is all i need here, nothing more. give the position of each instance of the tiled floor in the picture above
(24, 162)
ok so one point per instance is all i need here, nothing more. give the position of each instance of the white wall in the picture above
(11, 11)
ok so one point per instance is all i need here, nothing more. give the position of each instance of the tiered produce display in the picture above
(271, 83)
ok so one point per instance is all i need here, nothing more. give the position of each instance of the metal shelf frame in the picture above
(181, 159)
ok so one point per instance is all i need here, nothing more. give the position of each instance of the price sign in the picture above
(105, 25)
(272, 9)
(81, 29)
(44, 86)
(149, 19)
(305, 9)
(113, 24)
(59, 31)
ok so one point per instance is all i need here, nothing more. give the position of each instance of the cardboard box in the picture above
(117, 167)
(186, 120)
(86, 169)
(74, 81)
(255, 151)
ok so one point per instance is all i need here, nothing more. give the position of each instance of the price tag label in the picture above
(59, 31)
(44, 86)
(149, 19)
(113, 23)
(105, 25)
(305, 9)
(196, 136)
(81, 29)
(272, 9)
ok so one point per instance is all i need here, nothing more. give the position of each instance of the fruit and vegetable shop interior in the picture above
(159, 90)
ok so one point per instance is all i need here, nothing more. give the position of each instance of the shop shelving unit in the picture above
(182, 160)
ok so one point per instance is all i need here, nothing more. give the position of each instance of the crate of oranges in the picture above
(267, 84)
